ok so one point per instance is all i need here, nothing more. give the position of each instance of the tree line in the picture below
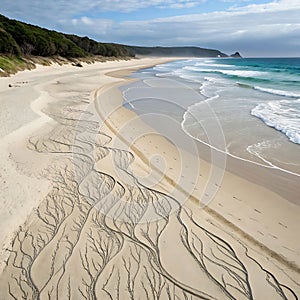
(21, 39)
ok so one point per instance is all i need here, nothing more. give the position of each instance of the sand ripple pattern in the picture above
(72, 250)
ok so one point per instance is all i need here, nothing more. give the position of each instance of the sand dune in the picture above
(88, 213)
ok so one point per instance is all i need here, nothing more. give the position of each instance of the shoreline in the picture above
(103, 168)
(235, 175)
(249, 170)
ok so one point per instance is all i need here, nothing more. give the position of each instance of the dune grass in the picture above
(12, 64)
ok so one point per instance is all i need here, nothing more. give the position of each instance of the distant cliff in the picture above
(236, 55)
(176, 51)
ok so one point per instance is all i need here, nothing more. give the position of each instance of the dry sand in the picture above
(111, 208)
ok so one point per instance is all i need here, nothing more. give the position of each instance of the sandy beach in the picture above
(95, 204)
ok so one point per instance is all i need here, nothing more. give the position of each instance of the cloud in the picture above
(235, 1)
(87, 21)
(254, 29)
(180, 4)
(275, 6)
(86, 27)
(75, 7)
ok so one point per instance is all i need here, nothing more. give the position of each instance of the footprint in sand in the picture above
(282, 225)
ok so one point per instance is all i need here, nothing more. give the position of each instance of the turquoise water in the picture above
(275, 76)
(248, 108)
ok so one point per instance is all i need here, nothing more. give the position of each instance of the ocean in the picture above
(248, 108)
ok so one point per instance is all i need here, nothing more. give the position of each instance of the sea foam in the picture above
(282, 115)
(278, 92)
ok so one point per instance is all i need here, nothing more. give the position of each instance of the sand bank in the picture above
(118, 213)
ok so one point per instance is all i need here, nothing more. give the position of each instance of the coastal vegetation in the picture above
(20, 43)
(20, 39)
(23, 45)
(12, 64)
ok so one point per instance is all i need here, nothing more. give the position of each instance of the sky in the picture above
(252, 27)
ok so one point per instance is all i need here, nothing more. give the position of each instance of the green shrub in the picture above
(8, 44)
(21, 39)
